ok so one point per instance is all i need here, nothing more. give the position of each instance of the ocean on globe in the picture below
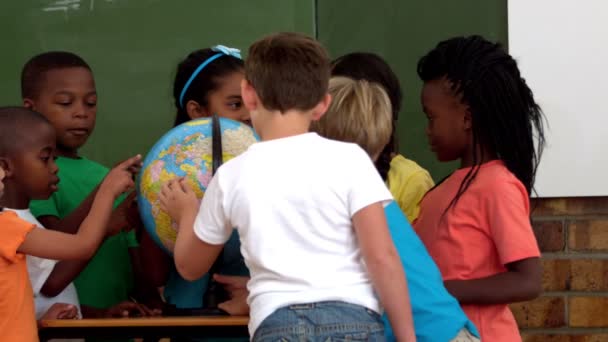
(184, 151)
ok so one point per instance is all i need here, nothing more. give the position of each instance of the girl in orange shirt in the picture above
(476, 223)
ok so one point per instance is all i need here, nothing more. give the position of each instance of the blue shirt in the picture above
(189, 294)
(437, 315)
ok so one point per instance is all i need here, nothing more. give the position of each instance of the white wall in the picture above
(562, 50)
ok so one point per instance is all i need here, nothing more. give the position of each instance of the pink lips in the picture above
(53, 186)
(79, 132)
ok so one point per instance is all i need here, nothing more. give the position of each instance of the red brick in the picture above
(588, 235)
(588, 312)
(589, 275)
(550, 235)
(575, 206)
(542, 312)
(557, 274)
(575, 274)
(528, 337)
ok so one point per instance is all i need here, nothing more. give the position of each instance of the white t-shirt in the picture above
(292, 201)
(39, 270)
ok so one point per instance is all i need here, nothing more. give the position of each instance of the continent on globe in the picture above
(185, 151)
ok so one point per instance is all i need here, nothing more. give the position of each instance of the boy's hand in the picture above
(120, 178)
(178, 199)
(61, 311)
(119, 220)
(130, 309)
(236, 286)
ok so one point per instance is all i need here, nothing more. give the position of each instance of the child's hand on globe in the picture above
(178, 199)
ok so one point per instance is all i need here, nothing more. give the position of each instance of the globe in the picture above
(185, 151)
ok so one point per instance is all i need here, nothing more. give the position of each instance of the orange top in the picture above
(17, 320)
(488, 228)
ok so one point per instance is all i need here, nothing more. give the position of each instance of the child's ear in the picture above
(321, 108)
(7, 166)
(195, 110)
(468, 120)
(250, 97)
(29, 104)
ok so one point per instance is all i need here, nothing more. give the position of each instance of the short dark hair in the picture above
(373, 68)
(204, 83)
(36, 68)
(288, 71)
(15, 125)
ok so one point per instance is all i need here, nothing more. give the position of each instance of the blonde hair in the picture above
(360, 112)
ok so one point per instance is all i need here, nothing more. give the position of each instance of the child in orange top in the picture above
(476, 223)
(27, 148)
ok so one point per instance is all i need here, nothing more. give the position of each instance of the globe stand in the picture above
(215, 293)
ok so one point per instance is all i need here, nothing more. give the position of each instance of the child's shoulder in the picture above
(12, 230)
(402, 167)
(81, 166)
(495, 179)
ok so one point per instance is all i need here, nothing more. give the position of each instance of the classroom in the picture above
(138, 136)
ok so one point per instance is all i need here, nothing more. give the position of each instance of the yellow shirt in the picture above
(408, 182)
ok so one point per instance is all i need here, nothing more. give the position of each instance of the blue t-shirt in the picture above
(438, 316)
(186, 294)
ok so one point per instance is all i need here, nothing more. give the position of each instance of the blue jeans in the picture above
(323, 321)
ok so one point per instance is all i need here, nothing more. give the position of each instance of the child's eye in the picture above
(91, 104)
(64, 104)
(235, 105)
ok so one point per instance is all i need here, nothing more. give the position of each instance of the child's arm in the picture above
(66, 271)
(71, 223)
(385, 269)
(59, 311)
(63, 274)
(521, 282)
(508, 223)
(56, 245)
(193, 257)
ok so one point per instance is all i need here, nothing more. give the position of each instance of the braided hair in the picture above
(506, 120)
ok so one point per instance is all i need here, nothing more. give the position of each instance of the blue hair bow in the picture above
(228, 51)
(221, 51)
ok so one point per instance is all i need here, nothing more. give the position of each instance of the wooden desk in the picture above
(207, 326)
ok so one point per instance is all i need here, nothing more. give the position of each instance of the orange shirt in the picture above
(488, 228)
(17, 320)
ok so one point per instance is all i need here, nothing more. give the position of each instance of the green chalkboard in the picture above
(133, 47)
(402, 31)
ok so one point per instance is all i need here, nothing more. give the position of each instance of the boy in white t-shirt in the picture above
(309, 211)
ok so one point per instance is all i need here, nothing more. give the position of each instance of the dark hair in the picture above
(505, 117)
(36, 68)
(288, 71)
(15, 127)
(204, 83)
(372, 68)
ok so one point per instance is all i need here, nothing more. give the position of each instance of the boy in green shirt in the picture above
(60, 85)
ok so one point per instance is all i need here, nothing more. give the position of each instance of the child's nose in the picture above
(80, 111)
(54, 167)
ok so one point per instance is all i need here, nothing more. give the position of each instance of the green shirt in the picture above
(108, 278)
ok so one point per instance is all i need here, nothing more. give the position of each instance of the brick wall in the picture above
(573, 237)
